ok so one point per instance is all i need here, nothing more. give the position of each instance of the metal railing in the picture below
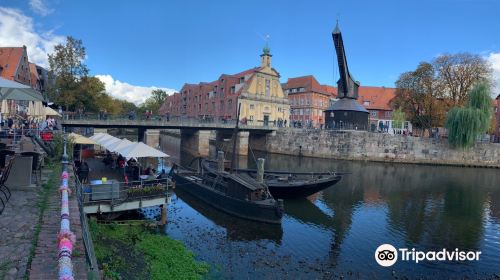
(170, 122)
(120, 192)
(86, 236)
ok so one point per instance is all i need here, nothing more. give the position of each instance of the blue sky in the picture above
(169, 43)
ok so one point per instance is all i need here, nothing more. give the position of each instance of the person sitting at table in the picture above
(162, 175)
(151, 175)
(147, 171)
(83, 173)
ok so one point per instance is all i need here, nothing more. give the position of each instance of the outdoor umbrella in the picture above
(4, 83)
(140, 150)
(27, 94)
(80, 139)
(119, 145)
(51, 112)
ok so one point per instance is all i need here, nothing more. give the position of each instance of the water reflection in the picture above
(236, 229)
(335, 232)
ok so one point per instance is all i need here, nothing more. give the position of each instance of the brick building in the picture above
(258, 90)
(14, 64)
(308, 99)
(377, 101)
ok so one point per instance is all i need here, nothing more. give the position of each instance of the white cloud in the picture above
(17, 29)
(494, 60)
(126, 91)
(39, 7)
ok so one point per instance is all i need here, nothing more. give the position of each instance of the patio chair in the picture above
(3, 188)
(3, 155)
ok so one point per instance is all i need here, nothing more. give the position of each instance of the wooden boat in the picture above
(235, 194)
(285, 184)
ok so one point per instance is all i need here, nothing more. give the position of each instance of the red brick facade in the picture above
(14, 65)
(214, 100)
(308, 99)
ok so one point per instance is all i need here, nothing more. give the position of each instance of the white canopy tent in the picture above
(119, 145)
(102, 137)
(140, 150)
(110, 141)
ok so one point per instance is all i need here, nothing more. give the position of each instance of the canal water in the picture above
(336, 232)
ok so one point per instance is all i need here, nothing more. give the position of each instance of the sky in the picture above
(136, 46)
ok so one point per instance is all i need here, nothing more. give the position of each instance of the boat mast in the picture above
(235, 134)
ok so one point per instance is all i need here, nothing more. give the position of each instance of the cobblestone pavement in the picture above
(17, 224)
(45, 261)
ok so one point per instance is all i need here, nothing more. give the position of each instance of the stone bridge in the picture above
(195, 134)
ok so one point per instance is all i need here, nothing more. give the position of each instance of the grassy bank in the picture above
(134, 252)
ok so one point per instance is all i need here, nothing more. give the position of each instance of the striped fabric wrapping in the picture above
(66, 237)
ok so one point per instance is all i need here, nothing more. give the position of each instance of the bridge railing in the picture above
(165, 121)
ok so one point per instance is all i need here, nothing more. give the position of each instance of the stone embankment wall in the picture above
(360, 145)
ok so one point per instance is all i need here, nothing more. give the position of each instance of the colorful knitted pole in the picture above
(66, 237)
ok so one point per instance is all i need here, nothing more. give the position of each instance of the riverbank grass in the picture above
(134, 252)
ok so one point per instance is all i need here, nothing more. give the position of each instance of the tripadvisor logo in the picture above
(387, 255)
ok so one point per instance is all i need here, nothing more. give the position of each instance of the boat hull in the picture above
(285, 190)
(262, 212)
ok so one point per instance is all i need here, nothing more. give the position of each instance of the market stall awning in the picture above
(100, 137)
(119, 145)
(110, 141)
(80, 139)
(140, 150)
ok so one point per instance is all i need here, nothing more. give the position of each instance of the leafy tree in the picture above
(155, 101)
(67, 69)
(419, 96)
(465, 124)
(458, 73)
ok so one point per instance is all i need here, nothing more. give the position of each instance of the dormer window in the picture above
(366, 103)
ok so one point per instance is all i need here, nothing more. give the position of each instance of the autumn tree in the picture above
(418, 95)
(458, 73)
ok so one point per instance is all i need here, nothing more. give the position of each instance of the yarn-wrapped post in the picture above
(66, 237)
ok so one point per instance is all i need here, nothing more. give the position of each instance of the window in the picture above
(268, 88)
(373, 113)
(301, 112)
(233, 89)
(294, 90)
(307, 101)
(242, 80)
(252, 106)
(388, 114)
(230, 104)
(407, 124)
(308, 111)
(251, 117)
(302, 89)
